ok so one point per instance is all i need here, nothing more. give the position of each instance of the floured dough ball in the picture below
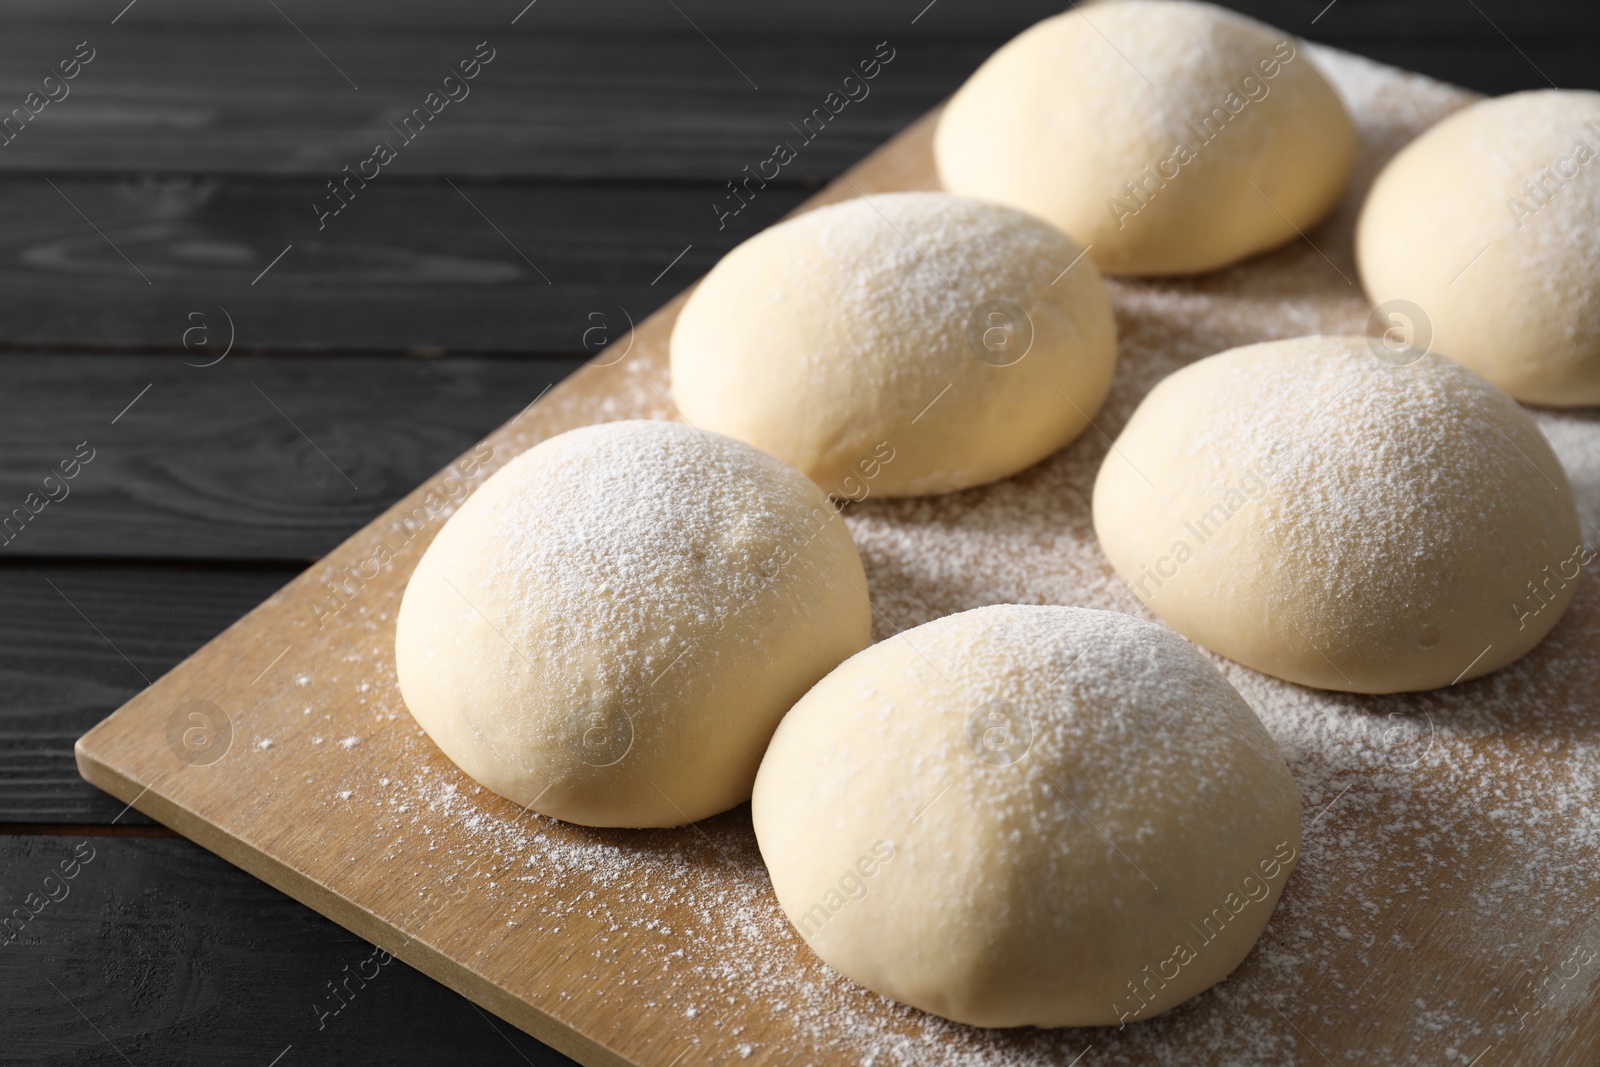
(610, 628)
(1482, 237)
(1022, 816)
(1319, 514)
(910, 343)
(1171, 138)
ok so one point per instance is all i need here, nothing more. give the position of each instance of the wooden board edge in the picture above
(286, 880)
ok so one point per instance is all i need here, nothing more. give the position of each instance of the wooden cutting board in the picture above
(1445, 910)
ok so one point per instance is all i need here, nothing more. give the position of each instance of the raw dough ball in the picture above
(611, 626)
(1489, 226)
(913, 343)
(1140, 127)
(1319, 514)
(1028, 816)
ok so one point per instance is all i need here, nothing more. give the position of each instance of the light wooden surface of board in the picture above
(1409, 934)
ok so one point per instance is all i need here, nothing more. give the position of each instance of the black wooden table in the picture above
(247, 335)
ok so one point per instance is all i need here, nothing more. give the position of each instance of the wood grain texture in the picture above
(63, 637)
(773, 17)
(640, 947)
(253, 458)
(166, 950)
(405, 267)
(258, 100)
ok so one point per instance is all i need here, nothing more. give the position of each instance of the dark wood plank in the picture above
(1491, 46)
(160, 952)
(76, 642)
(1542, 21)
(476, 268)
(254, 458)
(621, 103)
(773, 17)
